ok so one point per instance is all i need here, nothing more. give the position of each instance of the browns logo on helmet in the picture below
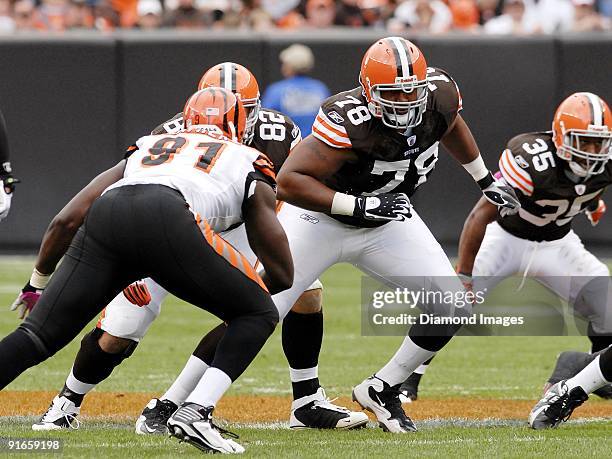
(215, 110)
(394, 80)
(582, 133)
(239, 80)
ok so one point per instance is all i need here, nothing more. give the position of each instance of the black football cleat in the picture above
(153, 419)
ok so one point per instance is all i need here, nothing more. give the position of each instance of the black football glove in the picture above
(383, 207)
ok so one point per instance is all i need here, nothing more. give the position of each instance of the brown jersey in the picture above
(275, 134)
(387, 160)
(549, 198)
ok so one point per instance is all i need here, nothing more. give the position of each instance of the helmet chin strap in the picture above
(573, 176)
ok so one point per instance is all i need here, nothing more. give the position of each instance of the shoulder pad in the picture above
(333, 120)
(173, 126)
(444, 91)
(517, 161)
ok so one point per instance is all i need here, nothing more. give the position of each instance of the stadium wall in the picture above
(73, 102)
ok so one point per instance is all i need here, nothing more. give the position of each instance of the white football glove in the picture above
(5, 201)
(503, 197)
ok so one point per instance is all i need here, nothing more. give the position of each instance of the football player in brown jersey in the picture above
(348, 186)
(557, 175)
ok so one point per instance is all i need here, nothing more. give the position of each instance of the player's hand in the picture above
(26, 300)
(595, 215)
(383, 207)
(503, 197)
(466, 280)
(5, 201)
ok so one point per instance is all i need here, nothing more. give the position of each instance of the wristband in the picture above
(39, 280)
(477, 169)
(343, 204)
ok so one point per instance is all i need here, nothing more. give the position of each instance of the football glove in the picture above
(595, 215)
(26, 300)
(5, 201)
(503, 197)
(383, 207)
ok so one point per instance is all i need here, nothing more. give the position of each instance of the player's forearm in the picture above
(305, 191)
(473, 233)
(277, 263)
(55, 243)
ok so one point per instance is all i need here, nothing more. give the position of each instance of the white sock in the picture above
(590, 378)
(211, 388)
(405, 361)
(303, 374)
(187, 381)
(421, 369)
(77, 386)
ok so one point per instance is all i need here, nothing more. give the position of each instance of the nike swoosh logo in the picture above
(148, 429)
(380, 402)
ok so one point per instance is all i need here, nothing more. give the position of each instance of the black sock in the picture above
(304, 388)
(598, 342)
(432, 337)
(605, 364)
(75, 398)
(206, 348)
(302, 336)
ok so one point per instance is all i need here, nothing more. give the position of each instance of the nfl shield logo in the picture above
(411, 140)
(580, 188)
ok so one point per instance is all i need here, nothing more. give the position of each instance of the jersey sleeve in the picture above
(264, 170)
(328, 126)
(172, 126)
(445, 93)
(515, 169)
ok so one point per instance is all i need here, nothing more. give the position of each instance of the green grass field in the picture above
(469, 368)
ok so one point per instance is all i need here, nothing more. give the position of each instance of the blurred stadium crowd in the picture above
(517, 17)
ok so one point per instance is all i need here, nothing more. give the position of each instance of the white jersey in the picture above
(214, 175)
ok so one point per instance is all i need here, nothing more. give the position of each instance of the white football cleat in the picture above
(193, 424)
(377, 396)
(152, 420)
(316, 411)
(62, 414)
(556, 406)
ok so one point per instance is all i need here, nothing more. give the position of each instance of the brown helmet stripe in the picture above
(398, 62)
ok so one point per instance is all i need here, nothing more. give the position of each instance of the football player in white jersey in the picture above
(125, 321)
(159, 216)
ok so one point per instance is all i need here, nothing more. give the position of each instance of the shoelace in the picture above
(329, 404)
(223, 431)
(70, 418)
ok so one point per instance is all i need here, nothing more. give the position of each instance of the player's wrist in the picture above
(344, 204)
(39, 280)
(479, 172)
